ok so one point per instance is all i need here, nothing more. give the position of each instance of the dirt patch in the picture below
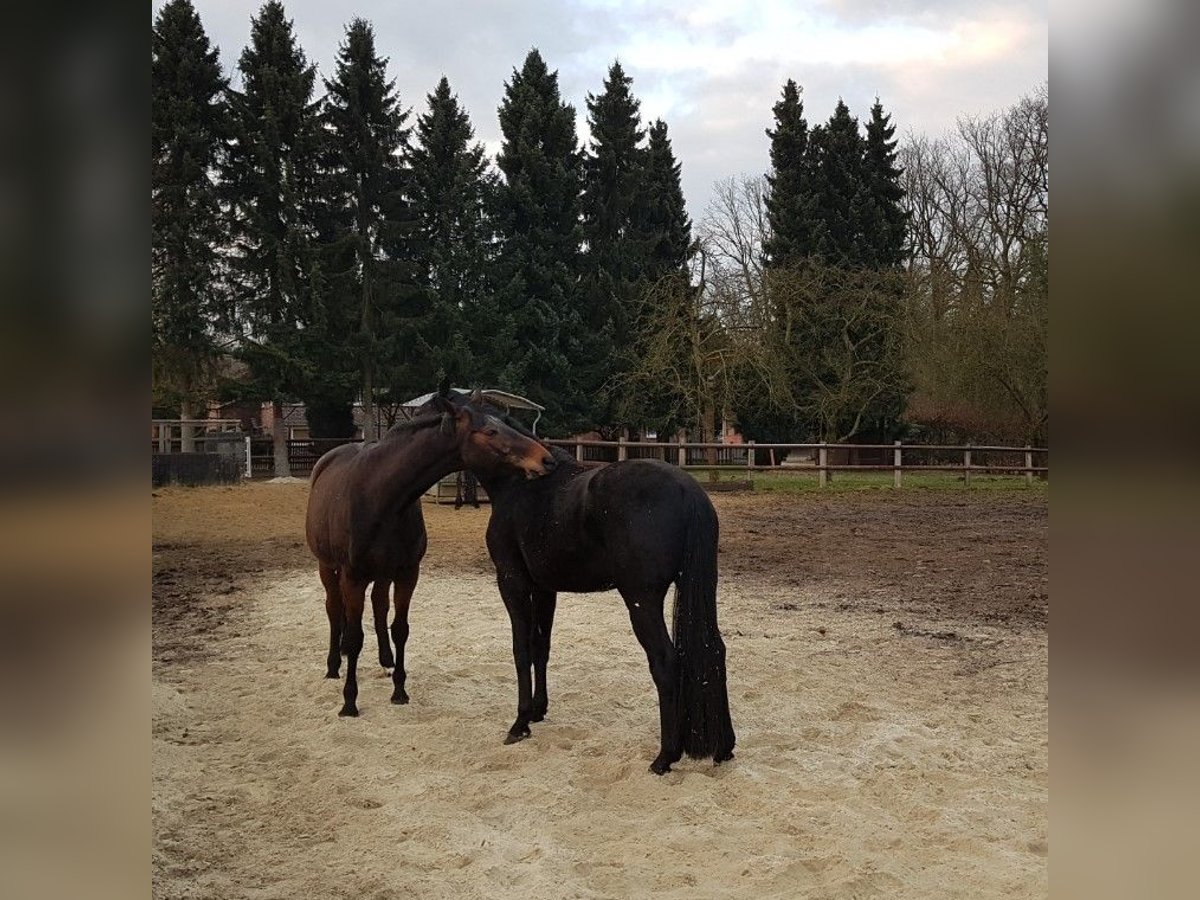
(934, 554)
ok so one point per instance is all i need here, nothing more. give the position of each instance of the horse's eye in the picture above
(491, 432)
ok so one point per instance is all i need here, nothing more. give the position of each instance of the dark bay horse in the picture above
(364, 522)
(639, 526)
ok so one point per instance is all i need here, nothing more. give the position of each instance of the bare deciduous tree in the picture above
(977, 304)
(732, 232)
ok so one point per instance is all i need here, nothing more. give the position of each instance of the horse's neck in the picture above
(500, 488)
(404, 465)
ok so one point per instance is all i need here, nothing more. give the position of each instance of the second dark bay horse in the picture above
(637, 526)
(364, 522)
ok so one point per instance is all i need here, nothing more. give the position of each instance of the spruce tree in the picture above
(662, 211)
(450, 187)
(537, 222)
(273, 179)
(662, 218)
(189, 122)
(613, 174)
(365, 135)
(887, 234)
(840, 194)
(790, 201)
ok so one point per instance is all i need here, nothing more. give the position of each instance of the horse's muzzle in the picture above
(543, 466)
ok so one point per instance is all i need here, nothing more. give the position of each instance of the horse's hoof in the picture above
(348, 710)
(537, 717)
(387, 662)
(722, 757)
(512, 738)
(332, 674)
(660, 768)
(400, 698)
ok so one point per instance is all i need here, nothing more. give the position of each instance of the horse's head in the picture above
(488, 445)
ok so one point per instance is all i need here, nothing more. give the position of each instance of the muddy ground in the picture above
(887, 658)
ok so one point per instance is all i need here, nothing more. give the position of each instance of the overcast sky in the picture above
(710, 68)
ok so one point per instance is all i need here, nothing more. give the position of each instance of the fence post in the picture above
(622, 452)
(682, 435)
(750, 457)
(897, 464)
(249, 465)
(822, 459)
(578, 448)
(1028, 465)
(967, 466)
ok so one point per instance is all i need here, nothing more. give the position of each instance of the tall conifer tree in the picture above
(272, 175)
(365, 137)
(537, 222)
(450, 185)
(887, 233)
(661, 217)
(840, 192)
(790, 201)
(663, 213)
(189, 121)
(613, 175)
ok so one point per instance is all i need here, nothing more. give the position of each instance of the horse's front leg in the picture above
(543, 624)
(354, 596)
(517, 596)
(406, 583)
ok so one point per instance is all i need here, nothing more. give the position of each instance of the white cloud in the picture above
(711, 68)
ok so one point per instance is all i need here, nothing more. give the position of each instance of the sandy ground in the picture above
(885, 749)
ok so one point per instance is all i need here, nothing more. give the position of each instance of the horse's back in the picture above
(345, 527)
(625, 524)
(648, 487)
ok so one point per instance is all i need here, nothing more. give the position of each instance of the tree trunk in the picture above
(279, 435)
(368, 364)
(710, 435)
(187, 431)
(368, 401)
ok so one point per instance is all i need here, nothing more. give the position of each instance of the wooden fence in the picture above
(817, 459)
(167, 435)
(823, 459)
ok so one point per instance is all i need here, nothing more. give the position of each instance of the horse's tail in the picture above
(705, 728)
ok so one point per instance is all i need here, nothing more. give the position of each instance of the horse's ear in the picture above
(476, 397)
(444, 386)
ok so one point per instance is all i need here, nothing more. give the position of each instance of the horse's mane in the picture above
(424, 421)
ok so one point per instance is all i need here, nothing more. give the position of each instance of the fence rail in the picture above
(823, 459)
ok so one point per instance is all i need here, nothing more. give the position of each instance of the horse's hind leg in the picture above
(333, 609)
(354, 595)
(379, 608)
(406, 583)
(646, 616)
(543, 624)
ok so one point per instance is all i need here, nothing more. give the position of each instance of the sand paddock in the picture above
(880, 752)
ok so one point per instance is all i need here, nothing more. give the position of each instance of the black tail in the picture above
(703, 701)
